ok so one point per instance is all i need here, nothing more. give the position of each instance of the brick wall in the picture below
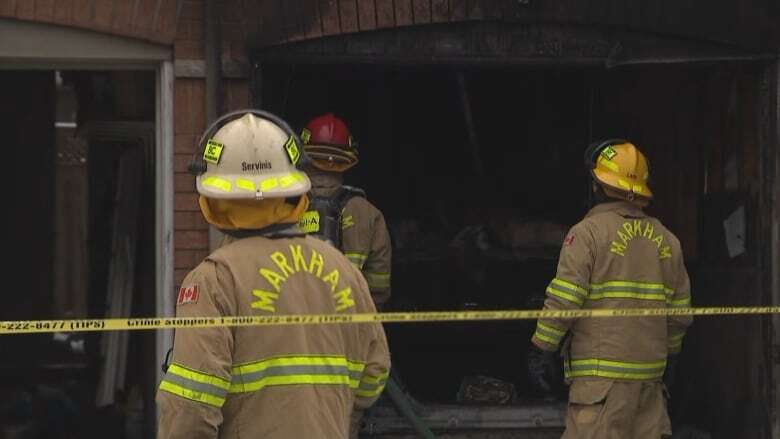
(150, 20)
(191, 239)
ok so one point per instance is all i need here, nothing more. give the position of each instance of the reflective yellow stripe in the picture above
(614, 369)
(192, 394)
(568, 285)
(347, 222)
(245, 184)
(356, 256)
(269, 184)
(287, 180)
(286, 380)
(193, 375)
(377, 280)
(547, 339)
(568, 297)
(629, 290)
(217, 183)
(357, 259)
(549, 334)
(627, 295)
(292, 370)
(372, 386)
(684, 302)
(303, 360)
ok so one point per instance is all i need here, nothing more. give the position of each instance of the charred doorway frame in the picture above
(31, 46)
(504, 44)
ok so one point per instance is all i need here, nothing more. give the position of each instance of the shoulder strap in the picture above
(346, 193)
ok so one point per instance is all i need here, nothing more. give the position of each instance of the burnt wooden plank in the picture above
(292, 27)
(366, 15)
(385, 13)
(403, 12)
(422, 11)
(440, 11)
(312, 22)
(329, 14)
(457, 10)
(492, 9)
(474, 9)
(348, 16)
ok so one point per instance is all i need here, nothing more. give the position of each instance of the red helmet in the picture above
(329, 144)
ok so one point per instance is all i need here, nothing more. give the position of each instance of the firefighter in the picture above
(271, 382)
(341, 214)
(616, 257)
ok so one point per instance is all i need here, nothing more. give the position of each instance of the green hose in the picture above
(401, 402)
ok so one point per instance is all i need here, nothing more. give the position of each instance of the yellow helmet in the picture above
(621, 169)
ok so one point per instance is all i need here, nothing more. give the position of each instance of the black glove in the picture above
(669, 373)
(541, 368)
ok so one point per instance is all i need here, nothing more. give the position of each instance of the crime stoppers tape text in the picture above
(39, 326)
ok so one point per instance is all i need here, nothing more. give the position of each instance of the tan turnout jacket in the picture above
(617, 257)
(365, 238)
(280, 382)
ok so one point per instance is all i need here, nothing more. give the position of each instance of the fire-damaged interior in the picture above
(478, 169)
(81, 145)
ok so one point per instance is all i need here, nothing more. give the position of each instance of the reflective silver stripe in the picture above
(293, 370)
(372, 386)
(195, 385)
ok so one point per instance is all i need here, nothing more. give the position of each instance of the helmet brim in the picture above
(257, 187)
(613, 181)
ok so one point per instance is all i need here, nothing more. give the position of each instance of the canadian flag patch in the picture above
(188, 294)
(569, 240)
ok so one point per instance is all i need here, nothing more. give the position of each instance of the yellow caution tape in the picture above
(82, 325)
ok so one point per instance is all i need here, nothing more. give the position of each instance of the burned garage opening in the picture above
(475, 156)
(82, 167)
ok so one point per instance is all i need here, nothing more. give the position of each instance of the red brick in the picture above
(8, 8)
(188, 49)
(191, 239)
(233, 11)
(83, 13)
(187, 259)
(184, 182)
(144, 19)
(122, 16)
(179, 274)
(63, 11)
(165, 26)
(237, 94)
(185, 143)
(198, 106)
(192, 10)
(44, 10)
(181, 162)
(186, 202)
(189, 221)
(25, 10)
(104, 10)
(182, 121)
